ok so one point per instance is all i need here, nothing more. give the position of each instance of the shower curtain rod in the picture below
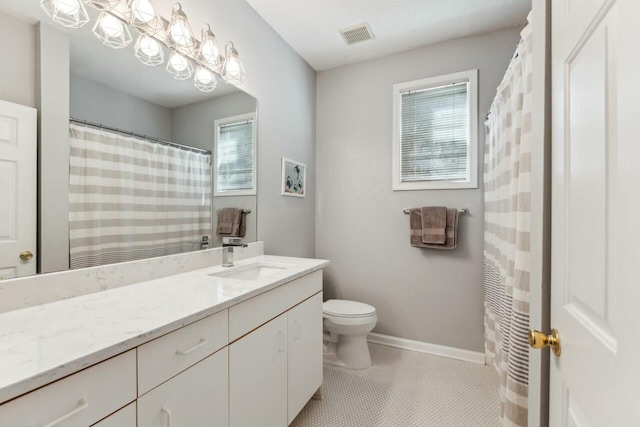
(514, 56)
(137, 135)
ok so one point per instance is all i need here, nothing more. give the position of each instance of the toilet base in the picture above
(350, 352)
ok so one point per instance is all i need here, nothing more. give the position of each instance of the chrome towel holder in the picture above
(463, 211)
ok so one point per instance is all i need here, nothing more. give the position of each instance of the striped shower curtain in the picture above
(131, 199)
(507, 187)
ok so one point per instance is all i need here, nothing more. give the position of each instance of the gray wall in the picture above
(430, 296)
(101, 104)
(193, 125)
(17, 73)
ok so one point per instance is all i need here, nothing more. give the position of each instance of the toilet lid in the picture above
(346, 308)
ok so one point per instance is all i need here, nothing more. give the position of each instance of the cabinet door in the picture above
(125, 417)
(197, 397)
(258, 377)
(305, 353)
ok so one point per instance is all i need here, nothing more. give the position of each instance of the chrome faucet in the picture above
(227, 253)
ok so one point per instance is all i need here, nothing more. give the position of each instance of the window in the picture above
(435, 132)
(235, 156)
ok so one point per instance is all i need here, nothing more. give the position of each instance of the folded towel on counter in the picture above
(415, 226)
(434, 225)
(231, 222)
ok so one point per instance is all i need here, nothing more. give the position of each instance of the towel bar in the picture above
(463, 211)
(247, 211)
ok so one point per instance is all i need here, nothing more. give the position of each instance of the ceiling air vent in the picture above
(357, 33)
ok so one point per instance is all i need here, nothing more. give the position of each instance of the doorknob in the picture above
(538, 339)
(26, 255)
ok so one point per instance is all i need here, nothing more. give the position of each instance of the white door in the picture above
(18, 188)
(595, 297)
(258, 377)
(197, 397)
(305, 353)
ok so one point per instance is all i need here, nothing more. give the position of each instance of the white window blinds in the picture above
(235, 166)
(435, 134)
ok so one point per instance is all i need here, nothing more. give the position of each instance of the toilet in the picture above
(347, 324)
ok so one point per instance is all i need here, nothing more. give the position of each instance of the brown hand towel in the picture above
(434, 225)
(415, 225)
(225, 221)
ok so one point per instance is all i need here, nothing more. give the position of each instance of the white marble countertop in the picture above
(41, 344)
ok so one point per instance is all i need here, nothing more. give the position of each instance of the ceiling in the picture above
(311, 27)
(117, 69)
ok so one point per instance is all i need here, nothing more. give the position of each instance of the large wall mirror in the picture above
(152, 161)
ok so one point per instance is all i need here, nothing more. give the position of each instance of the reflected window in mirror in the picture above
(235, 154)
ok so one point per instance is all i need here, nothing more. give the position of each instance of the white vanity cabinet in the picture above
(304, 373)
(79, 400)
(275, 369)
(198, 396)
(256, 363)
(258, 376)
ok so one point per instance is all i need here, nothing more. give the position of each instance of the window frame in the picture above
(226, 121)
(471, 77)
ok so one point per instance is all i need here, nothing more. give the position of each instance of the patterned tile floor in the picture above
(405, 388)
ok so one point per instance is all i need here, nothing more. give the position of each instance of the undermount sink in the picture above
(250, 272)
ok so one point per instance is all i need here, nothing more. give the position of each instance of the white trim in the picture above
(216, 125)
(471, 77)
(304, 178)
(428, 348)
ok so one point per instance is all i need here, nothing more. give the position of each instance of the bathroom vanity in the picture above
(239, 346)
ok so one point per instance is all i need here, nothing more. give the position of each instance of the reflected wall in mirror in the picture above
(149, 163)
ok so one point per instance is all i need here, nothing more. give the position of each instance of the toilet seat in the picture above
(347, 309)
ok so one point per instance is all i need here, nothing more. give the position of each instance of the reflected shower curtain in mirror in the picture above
(131, 199)
(507, 189)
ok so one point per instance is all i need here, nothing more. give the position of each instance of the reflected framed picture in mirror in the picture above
(294, 176)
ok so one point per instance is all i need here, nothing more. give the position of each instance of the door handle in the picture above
(538, 339)
(82, 405)
(26, 255)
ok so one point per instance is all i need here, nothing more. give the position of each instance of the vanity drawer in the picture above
(167, 356)
(81, 399)
(250, 314)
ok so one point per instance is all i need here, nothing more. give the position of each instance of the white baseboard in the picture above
(425, 347)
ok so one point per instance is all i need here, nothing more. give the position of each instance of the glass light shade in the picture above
(179, 35)
(144, 17)
(68, 13)
(233, 71)
(103, 4)
(205, 80)
(148, 51)
(209, 53)
(112, 31)
(179, 66)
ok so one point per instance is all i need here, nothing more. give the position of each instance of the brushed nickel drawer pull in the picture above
(83, 404)
(192, 349)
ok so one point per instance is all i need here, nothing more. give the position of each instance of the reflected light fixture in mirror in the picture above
(179, 66)
(179, 34)
(148, 51)
(209, 53)
(111, 31)
(205, 80)
(103, 4)
(233, 71)
(144, 17)
(68, 13)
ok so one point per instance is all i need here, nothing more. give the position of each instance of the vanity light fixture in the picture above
(112, 31)
(233, 71)
(179, 34)
(179, 67)
(68, 13)
(103, 4)
(112, 28)
(148, 51)
(205, 80)
(144, 17)
(209, 53)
